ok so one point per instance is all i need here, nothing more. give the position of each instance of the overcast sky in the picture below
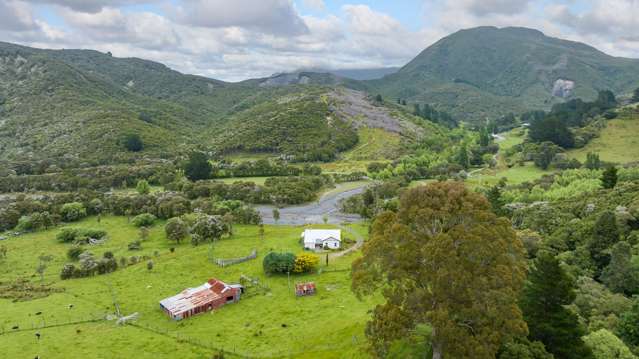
(238, 39)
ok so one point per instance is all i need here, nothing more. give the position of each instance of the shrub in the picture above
(74, 253)
(73, 211)
(143, 220)
(107, 265)
(143, 187)
(305, 262)
(67, 235)
(133, 142)
(208, 228)
(25, 224)
(68, 271)
(79, 235)
(95, 206)
(134, 246)
(34, 222)
(92, 233)
(176, 229)
(278, 263)
(149, 265)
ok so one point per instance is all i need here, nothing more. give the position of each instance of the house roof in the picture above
(320, 235)
(194, 297)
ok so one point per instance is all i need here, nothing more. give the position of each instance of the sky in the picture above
(233, 40)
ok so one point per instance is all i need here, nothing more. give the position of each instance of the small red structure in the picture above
(303, 289)
(210, 295)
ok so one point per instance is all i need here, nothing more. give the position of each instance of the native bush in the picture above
(176, 229)
(207, 229)
(143, 187)
(143, 220)
(274, 263)
(73, 211)
(605, 345)
(74, 253)
(135, 246)
(79, 235)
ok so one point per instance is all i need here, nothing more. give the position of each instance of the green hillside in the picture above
(301, 126)
(79, 104)
(617, 142)
(486, 71)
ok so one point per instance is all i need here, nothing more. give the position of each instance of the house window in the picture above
(230, 299)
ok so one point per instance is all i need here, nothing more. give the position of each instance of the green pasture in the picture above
(327, 325)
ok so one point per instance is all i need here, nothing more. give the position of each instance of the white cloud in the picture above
(254, 38)
(277, 17)
(609, 25)
(146, 30)
(90, 6)
(486, 7)
(16, 16)
(317, 5)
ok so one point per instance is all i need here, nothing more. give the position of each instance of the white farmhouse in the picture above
(322, 238)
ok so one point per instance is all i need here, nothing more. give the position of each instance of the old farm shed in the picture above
(304, 289)
(210, 295)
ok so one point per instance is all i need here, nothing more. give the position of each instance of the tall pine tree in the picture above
(605, 235)
(609, 177)
(548, 291)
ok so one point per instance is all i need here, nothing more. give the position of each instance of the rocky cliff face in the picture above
(563, 88)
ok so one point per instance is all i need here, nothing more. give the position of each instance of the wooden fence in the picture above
(228, 262)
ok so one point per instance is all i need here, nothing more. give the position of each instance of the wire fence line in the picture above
(44, 324)
(181, 338)
(299, 349)
(234, 352)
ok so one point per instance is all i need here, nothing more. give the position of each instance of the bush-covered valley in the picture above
(511, 232)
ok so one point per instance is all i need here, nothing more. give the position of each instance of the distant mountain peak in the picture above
(486, 71)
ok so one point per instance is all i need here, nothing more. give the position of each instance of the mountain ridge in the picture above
(501, 70)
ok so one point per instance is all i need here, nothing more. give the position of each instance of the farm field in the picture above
(231, 180)
(327, 325)
(515, 174)
(618, 142)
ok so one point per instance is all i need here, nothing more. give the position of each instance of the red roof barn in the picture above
(210, 295)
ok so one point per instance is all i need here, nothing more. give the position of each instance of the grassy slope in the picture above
(515, 174)
(374, 144)
(618, 142)
(334, 312)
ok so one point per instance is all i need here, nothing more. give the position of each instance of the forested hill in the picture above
(81, 103)
(85, 106)
(487, 71)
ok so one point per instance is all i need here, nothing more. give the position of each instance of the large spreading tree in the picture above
(445, 260)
